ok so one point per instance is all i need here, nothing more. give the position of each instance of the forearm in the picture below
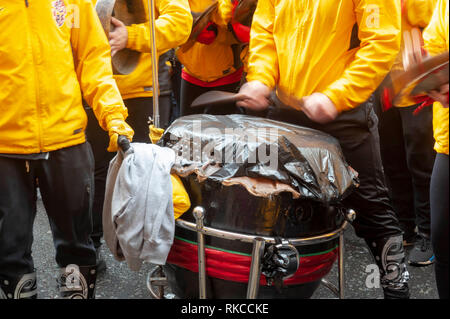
(172, 28)
(93, 67)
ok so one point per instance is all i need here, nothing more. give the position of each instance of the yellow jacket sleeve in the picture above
(172, 27)
(379, 31)
(436, 34)
(436, 39)
(263, 62)
(92, 57)
(419, 12)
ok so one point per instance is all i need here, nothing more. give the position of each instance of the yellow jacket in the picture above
(302, 46)
(436, 41)
(416, 14)
(172, 26)
(216, 60)
(181, 201)
(50, 51)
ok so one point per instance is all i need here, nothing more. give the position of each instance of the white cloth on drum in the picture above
(138, 217)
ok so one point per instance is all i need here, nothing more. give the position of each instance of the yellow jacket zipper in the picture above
(36, 80)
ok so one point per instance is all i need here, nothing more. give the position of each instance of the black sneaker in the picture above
(400, 292)
(422, 253)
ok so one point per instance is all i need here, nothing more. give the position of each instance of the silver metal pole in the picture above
(330, 286)
(151, 12)
(208, 231)
(199, 214)
(341, 265)
(255, 268)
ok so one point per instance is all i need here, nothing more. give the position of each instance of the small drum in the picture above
(245, 239)
(129, 12)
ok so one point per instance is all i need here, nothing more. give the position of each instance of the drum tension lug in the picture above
(350, 215)
(281, 261)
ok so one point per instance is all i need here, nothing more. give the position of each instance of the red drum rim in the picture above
(235, 266)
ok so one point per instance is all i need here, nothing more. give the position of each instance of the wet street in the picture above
(118, 282)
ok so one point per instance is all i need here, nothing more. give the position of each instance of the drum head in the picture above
(129, 12)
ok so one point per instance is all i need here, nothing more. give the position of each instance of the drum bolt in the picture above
(351, 215)
(199, 212)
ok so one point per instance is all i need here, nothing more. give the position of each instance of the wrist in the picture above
(334, 100)
(131, 37)
(113, 118)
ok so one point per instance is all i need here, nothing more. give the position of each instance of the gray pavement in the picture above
(118, 282)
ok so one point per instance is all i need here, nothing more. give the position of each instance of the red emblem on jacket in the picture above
(59, 12)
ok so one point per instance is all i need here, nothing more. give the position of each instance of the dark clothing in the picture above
(99, 140)
(164, 73)
(357, 133)
(27, 157)
(440, 222)
(176, 91)
(406, 143)
(189, 92)
(66, 184)
(139, 111)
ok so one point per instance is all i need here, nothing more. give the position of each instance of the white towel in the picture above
(138, 217)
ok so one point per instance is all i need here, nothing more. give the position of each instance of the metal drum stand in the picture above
(156, 279)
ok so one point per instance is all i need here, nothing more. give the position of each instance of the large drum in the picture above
(255, 228)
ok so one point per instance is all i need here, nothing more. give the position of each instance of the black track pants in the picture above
(440, 221)
(66, 184)
(406, 142)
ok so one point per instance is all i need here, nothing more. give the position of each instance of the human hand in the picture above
(254, 96)
(441, 96)
(115, 128)
(118, 38)
(319, 108)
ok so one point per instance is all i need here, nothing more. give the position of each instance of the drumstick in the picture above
(407, 49)
(222, 97)
(416, 36)
(216, 97)
(151, 10)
